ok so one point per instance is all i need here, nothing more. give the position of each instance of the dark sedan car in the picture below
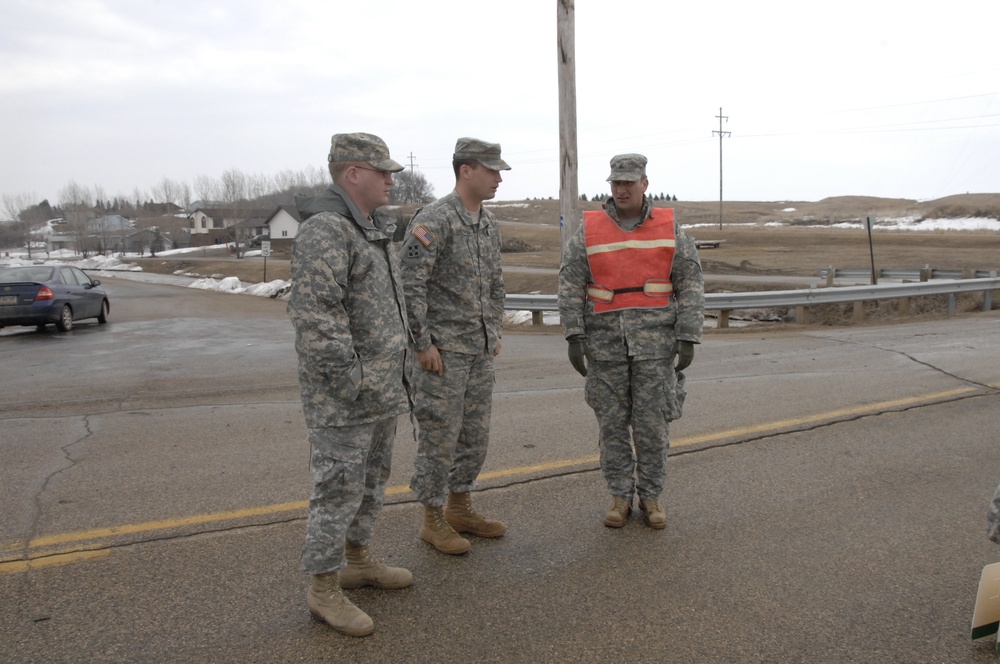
(42, 294)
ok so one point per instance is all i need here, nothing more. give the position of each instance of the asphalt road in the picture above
(826, 501)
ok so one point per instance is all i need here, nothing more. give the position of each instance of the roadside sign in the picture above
(265, 248)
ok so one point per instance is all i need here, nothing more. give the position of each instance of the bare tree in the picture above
(75, 200)
(167, 191)
(74, 195)
(140, 198)
(207, 189)
(410, 187)
(185, 196)
(317, 177)
(100, 199)
(234, 196)
(14, 206)
(259, 186)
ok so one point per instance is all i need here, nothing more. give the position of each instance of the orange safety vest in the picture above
(631, 269)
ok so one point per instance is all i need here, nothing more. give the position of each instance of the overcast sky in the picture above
(880, 98)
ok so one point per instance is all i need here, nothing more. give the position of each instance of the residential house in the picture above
(220, 225)
(172, 226)
(146, 240)
(90, 236)
(282, 226)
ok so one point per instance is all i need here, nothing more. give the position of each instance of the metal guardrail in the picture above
(906, 273)
(801, 299)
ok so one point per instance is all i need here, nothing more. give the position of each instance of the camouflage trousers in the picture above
(453, 417)
(633, 402)
(350, 466)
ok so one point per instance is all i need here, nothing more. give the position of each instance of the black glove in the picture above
(685, 353)
(576, 353)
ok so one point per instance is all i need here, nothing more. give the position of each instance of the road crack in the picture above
(36, 500)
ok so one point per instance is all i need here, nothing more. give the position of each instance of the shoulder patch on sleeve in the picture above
(425, 236)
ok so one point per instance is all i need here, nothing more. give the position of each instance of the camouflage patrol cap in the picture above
(627, 168)
(487, 154)
(368, 148)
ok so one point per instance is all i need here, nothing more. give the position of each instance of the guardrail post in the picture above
(988, 295)
(723, 318)
(859, 311)
(802, 315)
(904, 306)
(830, 272)
(925, 273)
(951, 304)
(536, 318)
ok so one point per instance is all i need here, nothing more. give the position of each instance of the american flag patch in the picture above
(424, 235)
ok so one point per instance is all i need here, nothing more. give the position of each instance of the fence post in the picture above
(859, 311)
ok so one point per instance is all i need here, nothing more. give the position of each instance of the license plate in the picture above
(8, 299)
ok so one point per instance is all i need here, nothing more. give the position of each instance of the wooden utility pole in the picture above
(569, 197)
(721, 134)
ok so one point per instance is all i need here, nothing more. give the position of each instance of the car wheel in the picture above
(102, 318)
(65, 322)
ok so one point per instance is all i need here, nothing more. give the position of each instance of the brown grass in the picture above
(796, 247)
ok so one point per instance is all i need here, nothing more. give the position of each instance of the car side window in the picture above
(81, 277)
(68, 277)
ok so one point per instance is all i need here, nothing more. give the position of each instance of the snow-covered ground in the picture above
(891, 224)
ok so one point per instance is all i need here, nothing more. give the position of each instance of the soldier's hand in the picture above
(685, 353)
(430, 360)
(577, 352)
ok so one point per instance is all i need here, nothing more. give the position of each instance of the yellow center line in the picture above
(12, 554)
(51, 561)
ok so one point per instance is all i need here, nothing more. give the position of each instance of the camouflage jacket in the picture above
(640, 333)
(452, 278)
(346, 304)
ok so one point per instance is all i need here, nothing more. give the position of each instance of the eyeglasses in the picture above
(376, 170)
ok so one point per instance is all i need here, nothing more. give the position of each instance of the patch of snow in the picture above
(958, 224)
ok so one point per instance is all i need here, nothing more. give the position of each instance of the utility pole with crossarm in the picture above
(721, 134)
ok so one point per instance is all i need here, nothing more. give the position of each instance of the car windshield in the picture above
(27, 273)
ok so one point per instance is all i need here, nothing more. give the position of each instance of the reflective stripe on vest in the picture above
(631, 269)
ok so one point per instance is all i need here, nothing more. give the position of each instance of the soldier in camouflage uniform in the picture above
(352, 339)
(455, 301)
(631, 330)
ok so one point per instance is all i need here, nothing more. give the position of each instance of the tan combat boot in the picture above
(464, 519)
(653, 514)
(363, 569)
(438, 533)
(327, 603)
(617, 514)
